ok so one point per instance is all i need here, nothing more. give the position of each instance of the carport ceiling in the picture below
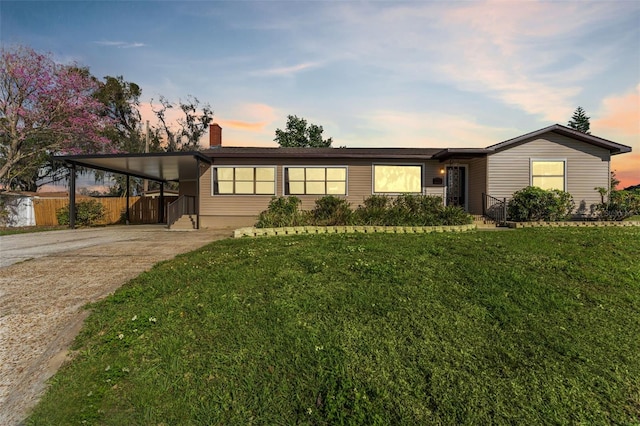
(164, 167)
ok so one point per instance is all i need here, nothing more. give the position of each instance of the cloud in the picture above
(425, 129)
(620, 114)
(249, 124)
(526, 55)
(120, 44)
(627, 169)
(287, 71)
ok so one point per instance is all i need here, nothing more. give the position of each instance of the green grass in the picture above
(636, 217)
(535, 326)
(29, 229)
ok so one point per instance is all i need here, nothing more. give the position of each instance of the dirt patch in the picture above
(42, 300)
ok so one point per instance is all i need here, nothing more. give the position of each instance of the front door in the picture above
(457, 186)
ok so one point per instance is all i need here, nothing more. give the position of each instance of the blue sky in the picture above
(406, 74)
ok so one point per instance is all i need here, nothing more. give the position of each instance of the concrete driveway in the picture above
(46, 278)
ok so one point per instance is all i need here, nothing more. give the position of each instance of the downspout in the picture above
(72, 198)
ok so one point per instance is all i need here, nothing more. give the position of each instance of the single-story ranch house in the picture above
(229, 186)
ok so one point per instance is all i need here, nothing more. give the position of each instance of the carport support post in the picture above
(161, 204)
(72, 198)
(127, 213)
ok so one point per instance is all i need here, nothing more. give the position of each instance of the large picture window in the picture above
(315, 181)
(244, 180)
(397, 179)
(548, 174)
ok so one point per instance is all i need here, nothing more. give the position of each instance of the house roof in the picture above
(460, 153)
(613, 147)
(277, 152)
(176, 166)
(164, 166)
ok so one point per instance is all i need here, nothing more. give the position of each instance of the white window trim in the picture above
(549, 160)
(315, 166)
(266, 166)
(373, 178)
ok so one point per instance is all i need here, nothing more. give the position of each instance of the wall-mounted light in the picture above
(442, 170)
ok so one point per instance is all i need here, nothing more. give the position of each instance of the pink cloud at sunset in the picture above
(620, 121)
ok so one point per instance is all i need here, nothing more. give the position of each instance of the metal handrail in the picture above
(185, 204)
(495, 209)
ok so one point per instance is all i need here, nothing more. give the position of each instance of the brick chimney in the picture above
(215, 135)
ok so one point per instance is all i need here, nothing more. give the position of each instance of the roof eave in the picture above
(613, 147)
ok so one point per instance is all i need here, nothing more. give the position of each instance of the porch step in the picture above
(186, 222)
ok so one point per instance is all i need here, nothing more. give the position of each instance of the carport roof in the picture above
(165, 166)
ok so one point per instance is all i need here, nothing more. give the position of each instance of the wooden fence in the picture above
(141, 209)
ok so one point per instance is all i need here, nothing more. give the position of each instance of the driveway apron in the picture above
(46, 278)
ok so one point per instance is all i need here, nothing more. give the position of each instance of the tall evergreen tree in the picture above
(579, 121)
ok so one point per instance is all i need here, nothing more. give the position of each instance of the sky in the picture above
(372, 73)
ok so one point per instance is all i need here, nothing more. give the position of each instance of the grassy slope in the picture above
(530, 326)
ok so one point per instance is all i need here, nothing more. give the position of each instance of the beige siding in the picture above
(477, 184)
(432, 171)
(587, 167)
(241, 210)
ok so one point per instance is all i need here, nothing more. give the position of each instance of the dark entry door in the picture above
(456, 186)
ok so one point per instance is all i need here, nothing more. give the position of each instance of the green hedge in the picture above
(376, 210)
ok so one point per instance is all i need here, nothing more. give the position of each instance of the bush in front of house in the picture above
(376, 210)
(619, 205)
(282, 211)
(533, 204)
(331, 211)
(409, 210)
(88, 213)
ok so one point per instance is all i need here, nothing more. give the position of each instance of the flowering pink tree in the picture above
(45, 108)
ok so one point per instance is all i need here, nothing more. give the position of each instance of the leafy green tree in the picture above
(299, 134)
(579, 121)
(122, 99)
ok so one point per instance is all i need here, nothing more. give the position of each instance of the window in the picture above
(244, 180)
(315, 181)
(397, 179)
(548, 174)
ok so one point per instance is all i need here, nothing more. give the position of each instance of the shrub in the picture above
(373, 212)
(454, 215)
(282, 211)
(88, 213)
(409, 210)
(535, 204)
(331, 211)
(376, 210)
(619, 206)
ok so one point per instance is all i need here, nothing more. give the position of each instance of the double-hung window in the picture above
(244, 180)
(315, 181)
(548, 174)
(397, 179)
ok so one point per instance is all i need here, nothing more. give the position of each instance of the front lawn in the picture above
(534, 326)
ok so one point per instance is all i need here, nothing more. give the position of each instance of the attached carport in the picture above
(159, 167)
